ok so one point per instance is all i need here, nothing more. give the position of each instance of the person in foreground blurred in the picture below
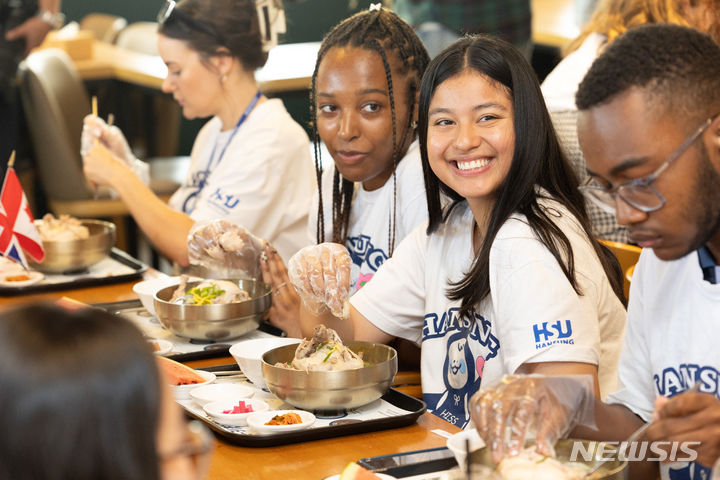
(83, 399)
(649, 127)
(609, 21)
(506, 278)
(250, 163)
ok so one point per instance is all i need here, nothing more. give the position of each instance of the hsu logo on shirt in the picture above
(222, 201)
(551, 333)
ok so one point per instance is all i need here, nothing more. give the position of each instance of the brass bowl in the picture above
(336, 390)
(611, 470)
(74, 255)
(214, 322)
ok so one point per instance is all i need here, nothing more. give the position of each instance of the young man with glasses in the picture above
(649, 127)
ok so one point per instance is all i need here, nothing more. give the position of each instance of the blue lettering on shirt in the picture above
(673, 381)
(557, 332)
(363, 252)
(222, 201)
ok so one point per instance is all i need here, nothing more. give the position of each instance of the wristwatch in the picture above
(55, 20)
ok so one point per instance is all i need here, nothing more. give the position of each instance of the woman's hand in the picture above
(321, 276)
(103, 168)
(285, 310)
(550, 405)
(95, 130)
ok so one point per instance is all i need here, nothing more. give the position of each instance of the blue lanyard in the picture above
(187, 206)
(243, 117)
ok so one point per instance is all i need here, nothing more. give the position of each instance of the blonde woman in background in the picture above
(611, 19)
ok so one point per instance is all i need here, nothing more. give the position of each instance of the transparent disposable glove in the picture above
(321, 276)
(96, 130)
(225, 249)
(522, 405)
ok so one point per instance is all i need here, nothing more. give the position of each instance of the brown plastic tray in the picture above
(415, 407)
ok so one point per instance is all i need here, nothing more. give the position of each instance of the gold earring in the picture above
(413, 125)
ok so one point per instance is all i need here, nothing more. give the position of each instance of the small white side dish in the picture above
(146, 289)
(257, 421)
(248, 355)
(182, 392)
(163, 346)
(456, 444)
(215, 411)
(220, 391)
(32, 278)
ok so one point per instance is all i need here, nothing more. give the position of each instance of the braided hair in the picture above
(383, 32)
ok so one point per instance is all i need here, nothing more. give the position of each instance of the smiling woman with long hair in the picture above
(507, 278)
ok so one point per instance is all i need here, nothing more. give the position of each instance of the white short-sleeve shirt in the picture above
(264, 181)
(671, 342)
(531, 315)
(370, 214)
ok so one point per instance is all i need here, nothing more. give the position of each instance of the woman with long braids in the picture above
(364, 108)
(505, 279)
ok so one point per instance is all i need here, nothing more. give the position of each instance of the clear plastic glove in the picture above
(548, 406)
(225, 248)
(96, 130)
(321, 276)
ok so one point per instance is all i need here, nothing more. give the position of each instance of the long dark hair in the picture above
(208, 26)
(385, 33)
(538, 161)
(80, 396)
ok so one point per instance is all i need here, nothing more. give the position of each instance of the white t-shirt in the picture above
(370, 215)
(671, 342)
(561, 85)
(264, 181)
(531, 315)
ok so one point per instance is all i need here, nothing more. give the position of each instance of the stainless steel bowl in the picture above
(611, 470)
(214, 322)
(74, 255)
(331, 390)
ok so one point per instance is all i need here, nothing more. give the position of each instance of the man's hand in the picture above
(690, 417)
(33, 30)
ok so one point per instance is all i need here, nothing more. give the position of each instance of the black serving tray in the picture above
(414, 406)
(118, 255)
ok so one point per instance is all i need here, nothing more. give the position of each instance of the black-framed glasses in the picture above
(197, 446)
(640, 193)
(168, 13)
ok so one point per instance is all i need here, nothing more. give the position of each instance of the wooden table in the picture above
(289, 67)
(309, 460)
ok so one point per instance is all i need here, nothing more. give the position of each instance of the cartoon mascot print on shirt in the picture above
(460, 380)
